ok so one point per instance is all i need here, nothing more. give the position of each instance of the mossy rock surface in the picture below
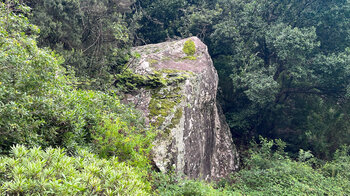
(163, 103)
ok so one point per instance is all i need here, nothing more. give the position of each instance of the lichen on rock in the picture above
(178, 97)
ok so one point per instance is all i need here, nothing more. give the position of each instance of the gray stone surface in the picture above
(194, 138)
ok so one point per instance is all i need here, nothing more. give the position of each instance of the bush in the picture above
(189, 48)
(340, 166)
(34, 171)
(114, 137)
(172, 185)
(26, 75)
(270, 172)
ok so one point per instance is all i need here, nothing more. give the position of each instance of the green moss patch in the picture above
(169, 71)
(166, 59)
(152, 61)
(165, 90)
(176, 119)
(189, 48)
(192, 58)
(174, 77)
(129, 81)
(163, 103)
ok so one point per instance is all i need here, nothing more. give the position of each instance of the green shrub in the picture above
(52, 172)
(340, 166)
(173, 185)
(114, 137)
(189, 48)
(27, 73)
(270, 172)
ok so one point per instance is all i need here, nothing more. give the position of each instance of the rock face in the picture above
(177, 95)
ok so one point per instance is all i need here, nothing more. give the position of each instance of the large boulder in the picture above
(174, 84)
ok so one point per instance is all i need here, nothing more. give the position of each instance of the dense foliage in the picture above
(91, 35)
(272, 172)
(269, 171)
(284, 69)
(288, 80)
(34, 171)
(40, 106)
